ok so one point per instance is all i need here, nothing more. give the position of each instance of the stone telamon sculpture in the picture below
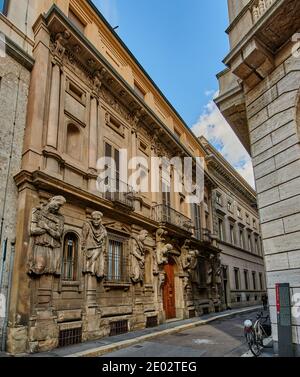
(46, 230)
(137, 257)
(94, 236)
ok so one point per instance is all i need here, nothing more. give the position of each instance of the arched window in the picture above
(73, 147)
(70, 257)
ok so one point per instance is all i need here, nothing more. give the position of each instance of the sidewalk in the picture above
(268, 350)
(114, 343)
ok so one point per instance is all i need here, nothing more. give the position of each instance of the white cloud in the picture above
(217, 131)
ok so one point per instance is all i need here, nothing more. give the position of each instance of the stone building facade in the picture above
(90, 264)
(259, 97)
(15, 68)
(238, 233)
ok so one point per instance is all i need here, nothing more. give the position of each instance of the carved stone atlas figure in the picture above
(46, 230)
(94, 236)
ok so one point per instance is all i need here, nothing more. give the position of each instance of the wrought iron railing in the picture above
(167, 215)
(116, 191)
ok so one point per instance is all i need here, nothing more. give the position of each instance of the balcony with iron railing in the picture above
(116, 191)
(165, 214)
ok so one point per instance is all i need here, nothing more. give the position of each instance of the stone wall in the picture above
(274, 132)
(14, 84)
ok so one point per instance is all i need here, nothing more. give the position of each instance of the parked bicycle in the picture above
(256, 333)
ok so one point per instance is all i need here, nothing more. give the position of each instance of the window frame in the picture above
(74, 260)
(232, 234)
(122, 274)
(237, 278)
(221, 227)
(246, 279)
(254, 281)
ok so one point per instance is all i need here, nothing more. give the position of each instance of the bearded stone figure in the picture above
(162, 249)
(94, 236)
(137, 257)
(46, 230)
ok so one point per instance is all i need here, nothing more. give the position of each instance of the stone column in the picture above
(93, 134)
(36, 102)
(52, 132)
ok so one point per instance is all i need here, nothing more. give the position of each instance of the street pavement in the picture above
(221, 338)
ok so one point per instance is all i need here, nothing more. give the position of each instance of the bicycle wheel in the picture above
(253, 344)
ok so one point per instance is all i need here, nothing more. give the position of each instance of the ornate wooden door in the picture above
(169, 292)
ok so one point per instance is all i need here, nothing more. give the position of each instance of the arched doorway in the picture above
(169, 290)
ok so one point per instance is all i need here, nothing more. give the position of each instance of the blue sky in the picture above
(181, 44)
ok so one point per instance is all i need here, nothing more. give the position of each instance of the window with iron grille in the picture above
(116, 262)
(118, 327)
(152, 321)
(69, 337)
(70, 257)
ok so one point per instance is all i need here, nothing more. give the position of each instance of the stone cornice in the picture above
(218, 164)
(16, 52)
(42, 181)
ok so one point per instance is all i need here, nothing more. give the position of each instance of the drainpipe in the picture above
(7, 295)
(2, 269)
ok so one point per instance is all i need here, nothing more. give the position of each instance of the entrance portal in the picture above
(169, 291)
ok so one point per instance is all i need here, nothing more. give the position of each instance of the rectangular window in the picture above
(242, 243)
(76, 21)
(257, 246)
(261, 281)
(247, 218)
(254, 223)
(254, 280)
(246, 277)
(232, 235)
(221, 229)
(239, 212)
(219, 198)
(229, 206)
(237, 278)
(249, 242)
(197, 220)
(116, 265)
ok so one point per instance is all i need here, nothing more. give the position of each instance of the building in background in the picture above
(90, 264)
(259, 97)
(236, 219)
(16, 63)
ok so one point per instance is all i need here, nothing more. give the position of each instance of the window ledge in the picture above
(116, 285)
